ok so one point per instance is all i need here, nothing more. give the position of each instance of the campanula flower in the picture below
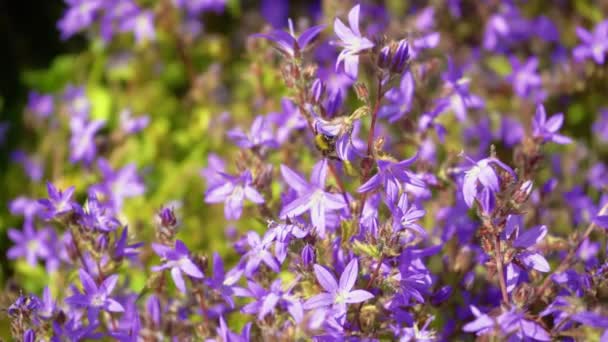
(546, 130)
(311, 196)
(95, 298)
(288, 43)
(58, 203)
(352, 42)
(482, 173)
(179, 261)
(233, 192)
(391, 175)
(594, 44)
(338, 295)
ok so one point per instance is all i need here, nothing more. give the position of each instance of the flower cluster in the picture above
(369, 184)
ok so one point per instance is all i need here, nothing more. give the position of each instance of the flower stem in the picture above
(367, 162)
(563, 266)
(499, 268)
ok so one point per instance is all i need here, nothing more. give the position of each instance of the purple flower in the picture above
(546, 130)
(117, 185)
(525, 255)
(179, 261)
(31, 165)
(196, 7)
(122, 249)
(287, 121)
(48, 307)
(460, 99)
(258, 253)
(311, 196)
(352, 41)
(267, 300)
(40, 104)
(32, 245)
(132, 125)
(76, 98)
(29, 336)
(515, 322)
(79, 16)
(95, 298)
(141, 24)
(288, 43)
(82, 141)
(594, 44)
(391, 175)
(233, 192)
(525, 79)
(400, 99)
(482, 173)
(95, 216)
(260, 135)
(511, 131)
(212, 174)
(338, 295)
(406, 216)
(600, 126)
(223, 282)
(229, 336)
(58, 203)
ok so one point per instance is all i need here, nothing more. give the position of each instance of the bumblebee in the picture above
(326, 145)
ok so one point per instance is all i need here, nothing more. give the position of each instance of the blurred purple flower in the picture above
(33, 168)
(95, 298)
(233, 192)
(58, 203)
(400, 99)
(288, 43)
(260, 135)
(40, 104)
(525, 79)
(546, 130)
(594, 44)
(132, 125)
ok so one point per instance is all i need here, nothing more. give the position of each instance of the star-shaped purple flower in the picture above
(338, 295)
(546, 130)
(482, 173)
(58, 203)
(179, 261)
(352, 41)
(288, 43)
(233, 192)
(95, 298)
(594, 44)
(311, 197)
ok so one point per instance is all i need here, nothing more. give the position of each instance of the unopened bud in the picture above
(308, 255)
(384, 58)
(317, 90)
(521, 195)
(361, 91)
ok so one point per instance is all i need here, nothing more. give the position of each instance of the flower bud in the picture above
(308, 255)
(361, 91)
(384, 58)
(441, 295)
(317, 90)
(401, 57)
(521, 195)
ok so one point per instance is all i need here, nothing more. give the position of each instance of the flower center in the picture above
(340, 298)
(98, 300)
(32, 245)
